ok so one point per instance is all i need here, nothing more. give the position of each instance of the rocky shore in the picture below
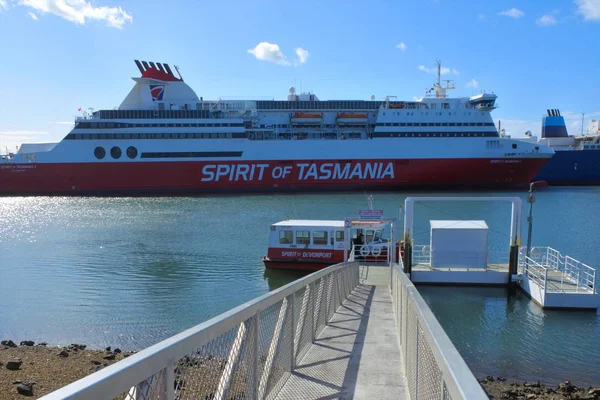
(30, 370)
(500, 388)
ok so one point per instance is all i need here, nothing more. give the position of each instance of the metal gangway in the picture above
(337, 333)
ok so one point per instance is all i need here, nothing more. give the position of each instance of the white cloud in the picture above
(271, 52)
(443, 70)
(473, 83)
(33, 16)
(401, 46)
(546, 20)
(573, 121)
(266, 51)
(3, 5)
(590, 9)
(63, 122)
(513, 13)
(80, 11)
(302, 55)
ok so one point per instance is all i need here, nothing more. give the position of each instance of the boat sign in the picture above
(348, 223)
(370, 215)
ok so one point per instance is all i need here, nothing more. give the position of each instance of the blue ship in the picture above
(576, 160)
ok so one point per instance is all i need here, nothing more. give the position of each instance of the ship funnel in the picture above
(553, 126)
(168, 69)
(139, 65)
(160, 67)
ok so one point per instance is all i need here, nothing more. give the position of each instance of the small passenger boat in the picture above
(315, 244)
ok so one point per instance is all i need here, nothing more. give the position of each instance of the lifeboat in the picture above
(307, 118)
(352, 119)
(311, 245)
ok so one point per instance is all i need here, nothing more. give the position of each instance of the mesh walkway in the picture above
(355, 356)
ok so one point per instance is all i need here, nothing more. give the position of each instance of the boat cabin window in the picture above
(286, 237)
(369, 236)
(319, 237)
(339, 236)
(302, 237)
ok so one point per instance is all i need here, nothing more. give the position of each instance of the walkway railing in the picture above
(579, 274)
(434, 369)
(422, 256)
(247, 352)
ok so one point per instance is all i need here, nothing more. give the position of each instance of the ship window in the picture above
(514, 146)
(99, 152)
(132, 152)
(339, 236)
(302, 237)
(319, 237)
(115, 152)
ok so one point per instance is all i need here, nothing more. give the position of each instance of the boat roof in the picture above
(326, 223)
(310, 222)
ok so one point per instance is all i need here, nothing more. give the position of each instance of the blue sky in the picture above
(59, 55)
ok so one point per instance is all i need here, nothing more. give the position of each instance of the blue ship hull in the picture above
(571, 167)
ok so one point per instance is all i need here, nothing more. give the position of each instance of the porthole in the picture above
(132, 152)
(99, 152)
(115, 152)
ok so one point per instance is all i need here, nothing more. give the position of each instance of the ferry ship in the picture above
(164, 139)
(576, 161)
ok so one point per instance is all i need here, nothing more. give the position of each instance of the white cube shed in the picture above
(459, 244)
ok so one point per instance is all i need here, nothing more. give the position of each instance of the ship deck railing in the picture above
(557, 273)
(337, 332)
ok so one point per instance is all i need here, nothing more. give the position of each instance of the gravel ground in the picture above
(48, 368)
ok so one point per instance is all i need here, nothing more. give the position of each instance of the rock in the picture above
(117, 350)
(96, 362)
(25, 389)
(530, 396)
(63, 354)
(110, 356)
(8, 343)
(77, 347)
(16, 382)
(594, 392)
(126, 355)
(567, 387)
(107, 349)
(501, 378)
(14, 365)
(28, 343)
(42, 344)
(96, 368)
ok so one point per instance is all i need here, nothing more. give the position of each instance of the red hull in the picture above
(296, 265)
(266, 176)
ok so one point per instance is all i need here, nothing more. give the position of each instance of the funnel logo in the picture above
(157, 92)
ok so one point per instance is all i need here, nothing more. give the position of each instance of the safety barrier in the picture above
(248, 352)
(434, 369)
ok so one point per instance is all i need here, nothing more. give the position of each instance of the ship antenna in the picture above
(439, 71)
(178, 73)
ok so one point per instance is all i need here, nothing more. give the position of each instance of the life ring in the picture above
(535, 253)
(376, 251)
(364, 250)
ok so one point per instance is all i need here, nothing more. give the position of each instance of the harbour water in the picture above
(129, 272)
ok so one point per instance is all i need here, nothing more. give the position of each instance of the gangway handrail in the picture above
(549, 258)
(154, 368)
(433, 366)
